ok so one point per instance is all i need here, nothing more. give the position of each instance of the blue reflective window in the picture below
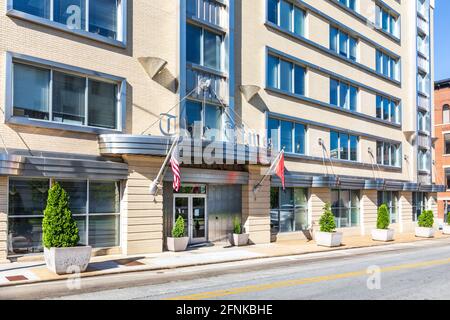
(334, 94)
(286, 135)
(212, 50)
(299, 78)
(103, 18)
(272, 72)
(334, 144)
(299, 21)
(272, 11)
(213, 122)
(353, 148)
(334, 39)
(343, 44)
(70, 12)
(39, 8)
(194, 118)
(285, 76)
(285, 15)
(273, 133)
(343, 146)
(300, 138)
(193, 46)
(353, 49)
(386, 105)
(379, 110)
(353, 98)
(343, 95)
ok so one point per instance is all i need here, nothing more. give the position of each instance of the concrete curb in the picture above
(146, 269)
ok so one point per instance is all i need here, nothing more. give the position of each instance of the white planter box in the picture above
(177, 244)
(239, 240)
(67, 260)
(424, 232)
(328, 239)
(446, 229)
(384, 235)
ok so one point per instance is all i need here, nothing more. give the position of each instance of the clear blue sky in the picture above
(442, 40)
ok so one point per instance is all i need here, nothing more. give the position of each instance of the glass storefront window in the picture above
(98, 223)
(391, 199)
(345, 208)
(289, 209)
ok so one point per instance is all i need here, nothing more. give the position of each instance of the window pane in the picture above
(393, 112)
(386, 153)
(299, 21)
(393, 155)
(71, 13)
(379, 61)
(212, 50)
(285, 15)
(273, 133)
(191, 7)
(274, 198)
(193, 46)
(353, 48)
(334, 87)
(285, 76)
(104, 197)
(334, 144)
(103, 18)
(353, 148)
(102, 108)
(213, 122)
(286, 136)
(379, 105)
(272, 72)
(82, 228)
(299, 138)
(272, 11)
(194, 118)
(299, 78)
(344, 146)
(27, 197)
(353, 98)
(386, 112)
(385, 20)
(77, 192)
(385, 65)
(40, 8)
(343, 43)
(343, 95)
(333, 39)
(103, 231)
(379, 152)
(68, 98)
(25, 235)
(31, 91)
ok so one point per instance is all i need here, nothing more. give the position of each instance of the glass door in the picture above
(193, 210)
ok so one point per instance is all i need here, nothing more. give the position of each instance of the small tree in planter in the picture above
(60, 235)
(446, 228)
(426, 222)
(382, 232)
(238, 238)
(178, 242)
(327, 236)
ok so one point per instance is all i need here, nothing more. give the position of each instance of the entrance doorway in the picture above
(192, 207)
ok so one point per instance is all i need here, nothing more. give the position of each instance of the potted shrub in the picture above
(382, 232)
(60, 235)
(425, 228)
(327, 236)
(178, 242)
(446, 228)
(238, 238)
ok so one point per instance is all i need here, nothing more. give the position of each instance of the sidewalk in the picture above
(31, 272)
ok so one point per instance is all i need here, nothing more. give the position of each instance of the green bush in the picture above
(178, 228)
(327, 223)
(383, 219)
(58, 226)
(426, 219)
(237, 229)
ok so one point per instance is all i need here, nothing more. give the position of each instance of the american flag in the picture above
(175, 165)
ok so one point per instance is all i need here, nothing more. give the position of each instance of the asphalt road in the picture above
(418, 270)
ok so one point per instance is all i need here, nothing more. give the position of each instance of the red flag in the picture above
(279, 170)
(175, 166)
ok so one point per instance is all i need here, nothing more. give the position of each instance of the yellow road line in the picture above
(296, 282)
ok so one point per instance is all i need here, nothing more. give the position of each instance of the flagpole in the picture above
(154, 184)
(270, 169)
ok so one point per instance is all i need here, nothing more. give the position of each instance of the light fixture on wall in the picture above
(152, 65)
(249, 91)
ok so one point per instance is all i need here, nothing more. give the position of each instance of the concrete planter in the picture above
(67, 260)
(384, 235)
(239, 240)
(177, 244)
(328, 239)
(446, 229)
(424, 232)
